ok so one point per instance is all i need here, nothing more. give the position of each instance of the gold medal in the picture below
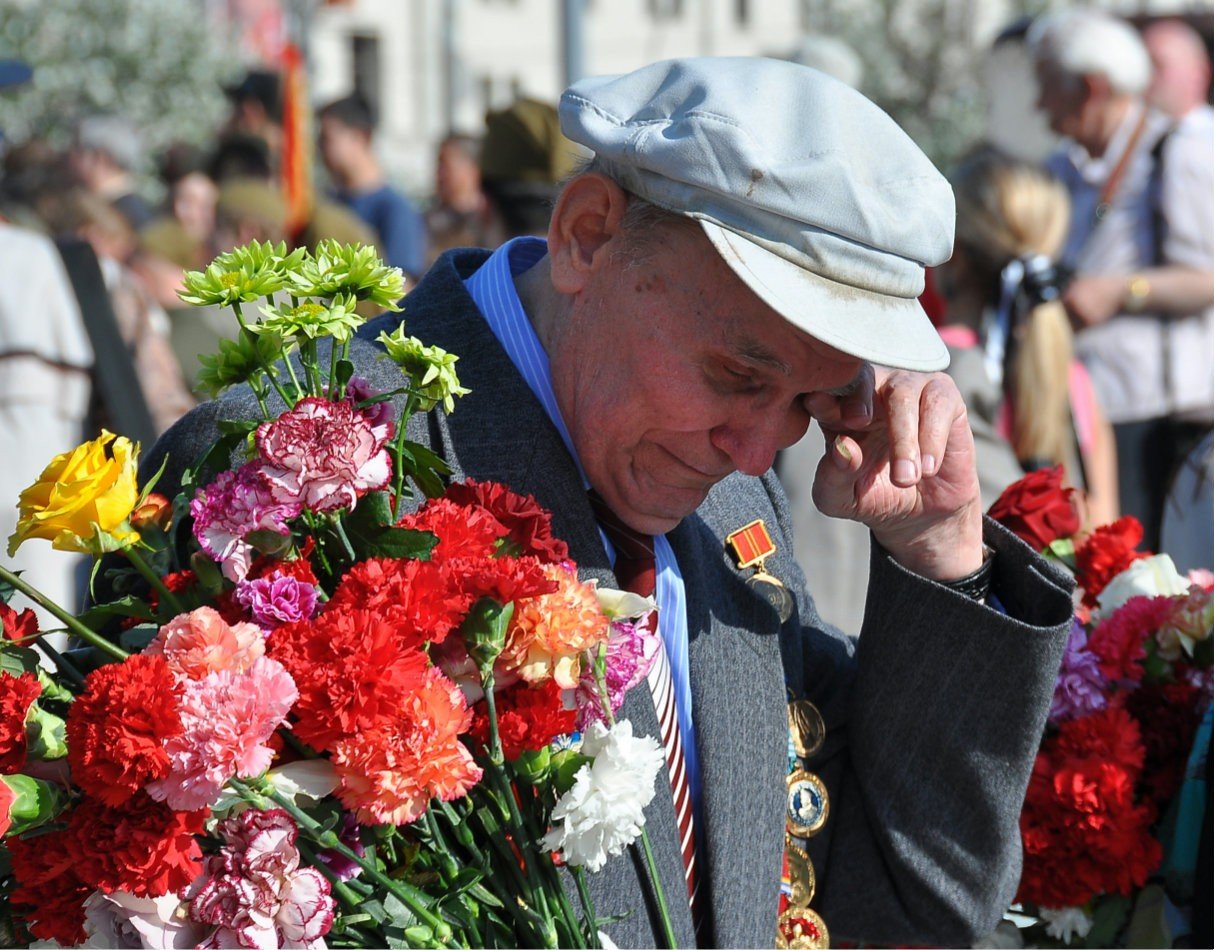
(806, 727)
(808, 804)
(801, 878)
(800, 928)
(752, 546)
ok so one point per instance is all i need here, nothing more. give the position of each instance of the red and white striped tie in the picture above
(636, 570)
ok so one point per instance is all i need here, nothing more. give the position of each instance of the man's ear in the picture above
(1096, 87)
(585, 220)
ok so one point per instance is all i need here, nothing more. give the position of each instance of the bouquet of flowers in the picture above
(1135, 681)
(330, 699)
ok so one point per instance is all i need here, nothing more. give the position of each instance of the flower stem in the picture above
(265, 367)
(663, 909)
(412, 898)
(398, 476)
(592, 920)
(62, 663)
(142, 566)
(75, 626)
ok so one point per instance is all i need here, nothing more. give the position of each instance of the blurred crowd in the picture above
(1078, 306)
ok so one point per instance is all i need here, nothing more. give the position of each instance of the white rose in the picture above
(1149, 576)
(604, 812)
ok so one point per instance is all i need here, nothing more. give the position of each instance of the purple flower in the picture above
(276, 599)
(631, 649)
(349, 835)
(231, 508)
(1081, 686)
(359, 389)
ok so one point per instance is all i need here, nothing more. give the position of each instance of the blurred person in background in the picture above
(32, 169)
(257, 112)
(1141, 243)
(459, 214)
(1180, 72)
(346, 141)
(191, 192)
(1031, 404)
(140, 320)
(524, 157)
(104, 157)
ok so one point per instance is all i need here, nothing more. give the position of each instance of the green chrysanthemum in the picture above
(313, 320)
(353, 269)
(238, 360)
(431, 368)
(242, 275)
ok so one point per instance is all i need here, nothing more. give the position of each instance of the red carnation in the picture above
(18, 627)
(528, 524)
(1037, 509)
(17, 694)
(505, 579)
(49, 892)
(1084, 833)
(462, 530)
(143, 847)
(1119, 640)
(1107, 552)
(353, 669)
(117, 727)
(528, 718)
(423, 598)
(1168, 714)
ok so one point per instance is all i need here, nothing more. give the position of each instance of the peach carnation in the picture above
(202, 642)
(548, 633)
(389, 774)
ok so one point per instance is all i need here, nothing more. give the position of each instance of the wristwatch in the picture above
(976, 586)
(1137, 289)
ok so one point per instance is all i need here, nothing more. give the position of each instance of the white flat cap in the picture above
(811, 194)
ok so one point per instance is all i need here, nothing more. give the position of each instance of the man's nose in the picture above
(752, 443)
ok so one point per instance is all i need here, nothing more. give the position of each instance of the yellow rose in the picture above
(83, 500)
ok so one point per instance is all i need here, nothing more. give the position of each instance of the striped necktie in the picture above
(636, 570)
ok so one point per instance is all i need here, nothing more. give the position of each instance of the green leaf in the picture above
(374, 510)
(95, 618)
(17, 660)
(241, 427)
(399, 914)
(137, 637)
(1109, 915)
(371, 533)
(7, 590)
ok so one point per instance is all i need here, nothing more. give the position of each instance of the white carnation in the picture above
(1149, 576)
(604, 812)
(1066, 923)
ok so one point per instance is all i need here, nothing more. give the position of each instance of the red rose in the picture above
(1037, 509)
(49, 893)
(116, 728)
(17, 694)
(143, 847)
(1107, 552)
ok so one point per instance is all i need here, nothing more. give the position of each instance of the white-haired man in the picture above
(719, 276)
(1141, 243)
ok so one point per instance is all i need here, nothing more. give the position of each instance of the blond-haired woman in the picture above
(1013, 355)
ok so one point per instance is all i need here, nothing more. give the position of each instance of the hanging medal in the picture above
(751, 546)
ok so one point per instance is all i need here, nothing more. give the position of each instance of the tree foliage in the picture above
(156, 62)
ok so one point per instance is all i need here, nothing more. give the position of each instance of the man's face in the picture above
(340, 146)
(672, 374)
(1179, 73)
(1064, 101)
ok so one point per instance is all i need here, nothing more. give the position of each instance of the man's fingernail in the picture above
(929, 465)
(842, 448)
(904, 471)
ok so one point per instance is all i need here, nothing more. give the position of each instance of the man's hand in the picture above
(900, 460)
(1093, 299)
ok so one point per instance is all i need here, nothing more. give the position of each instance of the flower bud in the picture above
(27, 802)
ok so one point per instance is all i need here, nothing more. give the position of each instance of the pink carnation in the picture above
(323, 454)
(359, 389)
(254, 892)
(227, 718)
(231, 508)
(631, 649)
(202, 642)
(277, 599)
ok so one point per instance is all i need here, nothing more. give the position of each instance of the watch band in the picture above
(976, 586)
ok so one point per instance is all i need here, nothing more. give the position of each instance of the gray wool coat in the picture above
(933, 715)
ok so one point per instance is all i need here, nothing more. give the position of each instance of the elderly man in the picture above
(1141, 241)
(717, 277)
